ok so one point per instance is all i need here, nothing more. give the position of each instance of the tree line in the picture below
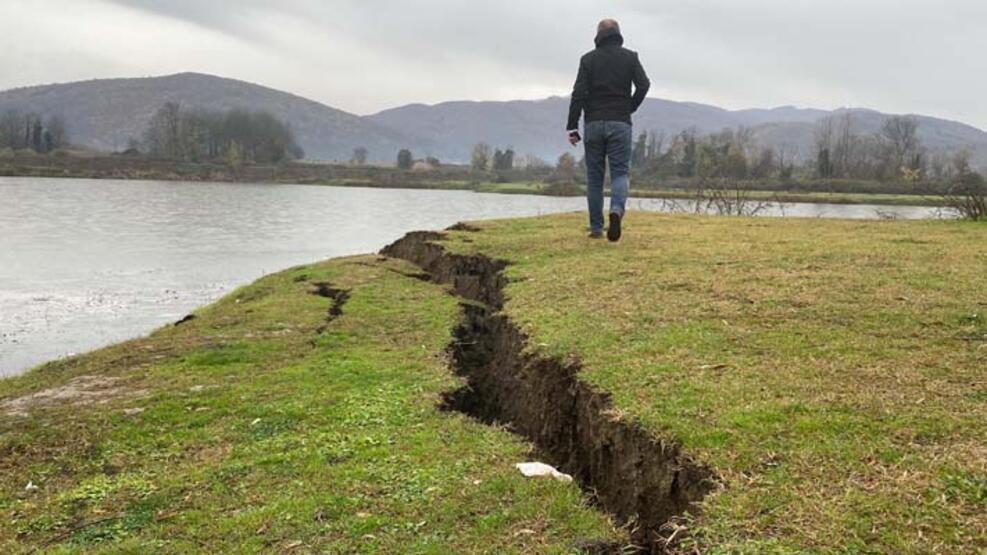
(841, 151)
(22, 131)
(235, 136)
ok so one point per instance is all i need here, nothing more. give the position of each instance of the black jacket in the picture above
(603, 86)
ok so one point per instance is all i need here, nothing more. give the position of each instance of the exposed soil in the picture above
(635, 476)
(82, 390)
(338, 297)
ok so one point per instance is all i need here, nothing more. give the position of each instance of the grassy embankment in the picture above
(251, 428)
(831, 374)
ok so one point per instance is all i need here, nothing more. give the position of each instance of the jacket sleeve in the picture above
(641, 84)
(580, 93)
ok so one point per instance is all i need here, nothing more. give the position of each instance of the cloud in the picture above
(363, 56)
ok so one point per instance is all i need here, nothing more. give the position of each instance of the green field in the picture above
(824, 379)
(259, 427)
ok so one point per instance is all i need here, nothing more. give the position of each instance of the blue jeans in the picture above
(607, 140)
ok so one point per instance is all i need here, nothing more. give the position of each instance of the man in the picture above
(603, 92)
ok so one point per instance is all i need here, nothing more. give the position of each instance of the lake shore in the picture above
(444, 178)
(820, 392)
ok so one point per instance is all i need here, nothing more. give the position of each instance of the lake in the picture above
(86, 263)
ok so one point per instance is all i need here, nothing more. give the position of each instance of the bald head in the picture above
(608, 25)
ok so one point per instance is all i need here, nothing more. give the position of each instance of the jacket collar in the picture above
(609, 37)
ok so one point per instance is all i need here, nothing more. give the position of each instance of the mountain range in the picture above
(105, 114)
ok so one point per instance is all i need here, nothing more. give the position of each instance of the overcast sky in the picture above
(906, 56)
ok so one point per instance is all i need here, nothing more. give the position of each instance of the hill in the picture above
(535, 127)
(105, 114)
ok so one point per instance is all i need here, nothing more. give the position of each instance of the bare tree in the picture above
(900, 137)
(56, 130)
(967, 196)
(359, 156)
(846, 147)
(532, 162)
(480, 159)
(824, 138)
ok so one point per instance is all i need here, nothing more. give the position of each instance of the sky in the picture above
(363, 56)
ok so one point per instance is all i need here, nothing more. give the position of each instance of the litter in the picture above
(535, 469)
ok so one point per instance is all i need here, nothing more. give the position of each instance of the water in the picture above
(86, 263)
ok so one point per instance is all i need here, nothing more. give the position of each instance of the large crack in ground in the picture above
(338, 298)
(627, 471)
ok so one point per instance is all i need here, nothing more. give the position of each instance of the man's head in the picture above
(608, 32)
(608, 25)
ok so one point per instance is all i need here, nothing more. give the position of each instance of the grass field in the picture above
(832, 374)
(260, 427)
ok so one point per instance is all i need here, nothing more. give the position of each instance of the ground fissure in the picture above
(338, 298)
(632, 474)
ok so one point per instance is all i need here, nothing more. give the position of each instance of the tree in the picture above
(824, 165)
(359, 156)
(655, 144)
(900, 137)
(961, 162)
(532, 162)
(238, 135)
(37, 134)
(480, 158)
(565, 168)
(825, 130)
(503, 161)
(405, 159)
(162, 136)
(688, 164)
(56, 129)
(639, 154)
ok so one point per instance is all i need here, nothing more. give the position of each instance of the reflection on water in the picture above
(85, 263)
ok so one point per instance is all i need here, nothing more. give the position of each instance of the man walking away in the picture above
(603, 93)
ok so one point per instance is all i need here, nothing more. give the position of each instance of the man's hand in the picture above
(574, 137)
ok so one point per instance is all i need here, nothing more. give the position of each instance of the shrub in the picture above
(968, 196)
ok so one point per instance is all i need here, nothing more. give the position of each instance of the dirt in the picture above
(637, 477)
(338, 297)
(82, 390)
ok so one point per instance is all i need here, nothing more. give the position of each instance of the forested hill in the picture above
(535, 127)
(106, 114)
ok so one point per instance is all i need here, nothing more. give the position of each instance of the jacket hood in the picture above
(608, 37)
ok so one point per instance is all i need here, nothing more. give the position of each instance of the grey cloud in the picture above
(896, 55)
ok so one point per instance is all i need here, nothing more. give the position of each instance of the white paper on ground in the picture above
(534, 469)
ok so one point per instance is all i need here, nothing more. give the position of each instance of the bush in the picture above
(968, 197)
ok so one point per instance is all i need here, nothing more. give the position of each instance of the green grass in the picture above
(247, 430)
(831, 372)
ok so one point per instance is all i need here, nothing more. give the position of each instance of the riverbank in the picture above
(797, 385)
(449, 177)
